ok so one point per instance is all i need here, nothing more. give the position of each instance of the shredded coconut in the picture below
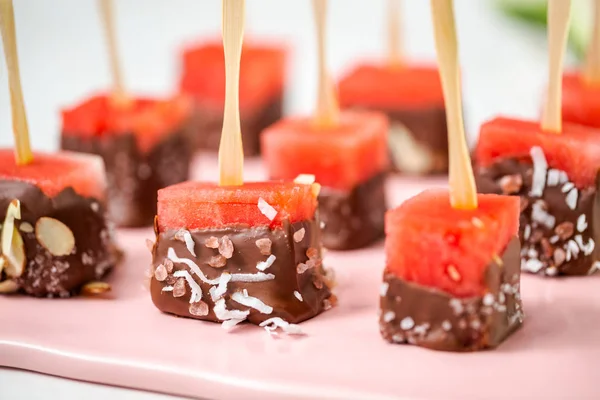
(263, 265)
(407, 323)
(217, 292)
(540, 166)
(192, 265)
(167, 289)
(389, 316)
(252, 302)
(258, 277)
(266, 209)
(272, 324)
(196, 289)
(582, 223)
(540, 215)
(230, 323)
(189, 242)
(384, 288)
(533, 265)
(553, 177)
(222, 313)
(298, 295)
(571, 198)
(567, 187)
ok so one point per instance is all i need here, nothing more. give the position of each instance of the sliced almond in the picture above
(55, 236)
(15, 256)
(26, 227)
(8, 228)
(8, 287)
(95, 288)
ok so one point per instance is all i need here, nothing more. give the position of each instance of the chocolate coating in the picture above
(95, 252)
(427, 317)
(207, 132)
(353, 219)
(135, 177)
(291, 257)
(418, 139)
(564, 243)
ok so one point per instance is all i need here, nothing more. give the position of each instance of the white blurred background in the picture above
(63, 54)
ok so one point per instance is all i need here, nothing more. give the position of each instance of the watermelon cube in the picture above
(452, 277)
(557, 177)
(143, 145)
(55, 238)
(262, 82)
(412, 97)
(349, 161)
(580, 101)
(240, 253)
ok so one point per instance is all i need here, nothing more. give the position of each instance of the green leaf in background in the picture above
(534, 12)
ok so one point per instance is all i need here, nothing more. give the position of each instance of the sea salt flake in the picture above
(196, 289)
(263, 265)
(384, 288)
(475, 324)
(212, 242)
(179, 288)
(199, 309)
(252, 302)
(422, 329)
(407, 323)
(264, 245)
(160, 273)
(389, 316)
(457, 306)
(301, 268)
(554, 239)
(95, 206)
(582, 223)
(551, 271)
(299, 235)
(573, 247)
(266, 209)
(226, 247)
(540, 166)
(541, 216)
(298, 295)
(571, 199)
(272, 324)
(217, 261)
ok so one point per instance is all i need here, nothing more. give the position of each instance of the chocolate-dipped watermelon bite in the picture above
(143, 144)
(239, 253)
(452, 275)
(55, 238)
(557, 177)
(346, 152)
(555, 169)
(262, 90)
(464, 295)
(411, 96)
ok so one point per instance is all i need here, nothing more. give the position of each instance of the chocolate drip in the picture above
(296, 290)
(353, 219)
(135, 177)
(556, 239)
(93, 256)
(427, 317)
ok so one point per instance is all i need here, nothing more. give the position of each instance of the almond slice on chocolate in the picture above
(95, 288)
(13, 247)
(54, 236)
(8, 287)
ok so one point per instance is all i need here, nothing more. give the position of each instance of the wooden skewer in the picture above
(591, 71)
(463, 193)
(231, 153)
(108, 20)
(23, 152)
(327, 112)
(394, 33)
(559, 12)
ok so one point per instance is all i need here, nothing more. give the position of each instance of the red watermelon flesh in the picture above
(339, 157)
(200, 205)
(576, 150)
(54, 172)
(262, 74)
(150, 120)
(430, 243)
(581, 101)
(389, 87)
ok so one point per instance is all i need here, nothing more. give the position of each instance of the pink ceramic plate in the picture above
(125, 341)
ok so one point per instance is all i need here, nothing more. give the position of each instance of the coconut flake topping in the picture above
(263, 265)
(540, 166)
(272, 324)
(266, 209)
(251, 302)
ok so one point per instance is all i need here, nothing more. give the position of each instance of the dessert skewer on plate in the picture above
(347, 153)
(410, 94)
(555, 169)
(54, 237)
(142, 140)
(452, 275)
(239, 251)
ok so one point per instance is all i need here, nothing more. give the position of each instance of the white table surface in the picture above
(63, 59)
